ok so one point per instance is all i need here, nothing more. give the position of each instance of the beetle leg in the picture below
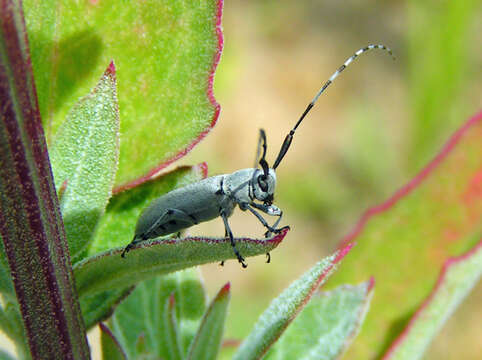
(225, 236)
(131, 245)
(269, 210)
(231, 238)
(169, 215)
(271, 229)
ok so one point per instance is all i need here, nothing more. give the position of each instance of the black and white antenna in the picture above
(289, 137)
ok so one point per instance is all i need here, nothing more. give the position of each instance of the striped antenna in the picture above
(289, 137)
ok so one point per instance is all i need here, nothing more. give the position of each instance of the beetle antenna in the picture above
(258, 148)
(262, 162)
(289, 137)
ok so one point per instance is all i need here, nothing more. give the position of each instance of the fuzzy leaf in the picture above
(404, 241)
(173, 342)
(167, 52)
(282, 310)
(459, 275)
(111, 349)
(116, 227)
(326, 325)
(98, 307)
(84, 157)
(208, 338)
(108, 270)
(140, 322)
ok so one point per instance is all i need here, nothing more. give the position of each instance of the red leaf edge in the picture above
(276, 240)
(316, 285)
(105, 329)
(411, 185)
(212, 99)
(445, 268)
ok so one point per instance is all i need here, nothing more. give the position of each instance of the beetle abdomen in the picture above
(183, 208)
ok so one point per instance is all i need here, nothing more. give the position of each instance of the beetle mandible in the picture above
(251, 189)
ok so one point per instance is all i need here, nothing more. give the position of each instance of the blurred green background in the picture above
(369, 134)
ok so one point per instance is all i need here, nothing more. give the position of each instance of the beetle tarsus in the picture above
(126, 250)
(268, 260)
(268, 233)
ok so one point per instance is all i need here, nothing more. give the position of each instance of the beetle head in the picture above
(264, 186)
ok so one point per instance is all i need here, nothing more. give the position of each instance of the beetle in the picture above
(251, 189)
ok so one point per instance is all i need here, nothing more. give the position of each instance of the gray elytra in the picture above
(217, 196)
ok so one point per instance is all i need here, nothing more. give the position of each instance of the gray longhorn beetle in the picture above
(250, 189)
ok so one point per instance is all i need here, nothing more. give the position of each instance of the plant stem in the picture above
(30, 220)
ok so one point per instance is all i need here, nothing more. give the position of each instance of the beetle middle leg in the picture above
(152, 232)
(231, 238)
(225, 236)
(169, 215)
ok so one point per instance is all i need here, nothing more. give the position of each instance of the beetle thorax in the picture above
(248, 185)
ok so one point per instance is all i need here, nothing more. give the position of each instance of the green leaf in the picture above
(166, 52)
(459, 275)
(282, 310)
(111, 349)
(116, 227)
(326, 325)
(404, 241)
(173, 342)
(84, 157)
(108, 270)
(207, 341)
(141, 321)
(99, 307)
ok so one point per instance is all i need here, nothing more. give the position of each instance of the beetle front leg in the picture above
(269, 210)
(231, 238)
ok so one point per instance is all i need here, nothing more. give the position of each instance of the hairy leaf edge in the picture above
(412, 184)
(212, 99)
(443, 272)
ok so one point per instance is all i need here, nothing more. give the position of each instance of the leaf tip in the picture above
(110, 69)
(203, 169)
(342, 252)
(104, 328)
(225, 290)
(371, 284)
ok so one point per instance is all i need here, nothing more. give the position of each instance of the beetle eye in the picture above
(262, 183)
